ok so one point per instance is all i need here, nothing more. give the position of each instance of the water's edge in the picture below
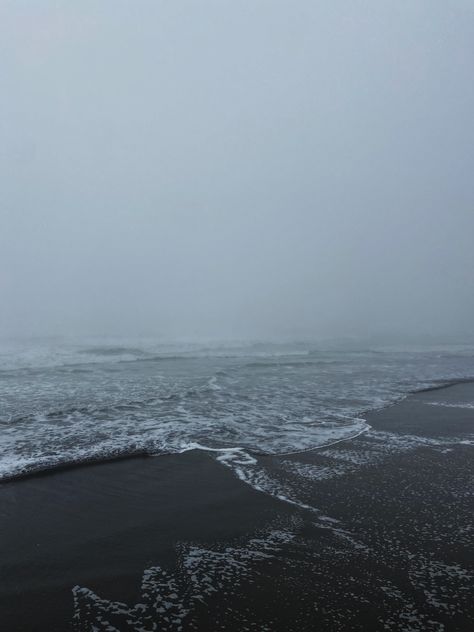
(141, 453)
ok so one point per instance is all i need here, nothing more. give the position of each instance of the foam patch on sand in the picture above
(316, 473)
(376, 447)
(287, 481)
(246, 468)
(169, 600)
(446, 588)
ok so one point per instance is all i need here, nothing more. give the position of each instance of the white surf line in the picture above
(321, 447)
(276, 454)
(197, 446)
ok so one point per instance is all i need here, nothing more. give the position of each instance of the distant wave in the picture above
(288, 363)
(112, 351)
(115, 407)
(123, 355)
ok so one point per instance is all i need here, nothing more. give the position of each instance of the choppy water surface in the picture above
(63, 403)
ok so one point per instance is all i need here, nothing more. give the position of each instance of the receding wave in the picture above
(262, 364)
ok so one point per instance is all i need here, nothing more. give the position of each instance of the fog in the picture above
(237, 169)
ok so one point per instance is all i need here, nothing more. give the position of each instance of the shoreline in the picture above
(142, 453)
(384, 539)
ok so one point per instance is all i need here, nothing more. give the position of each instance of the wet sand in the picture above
(395, 554)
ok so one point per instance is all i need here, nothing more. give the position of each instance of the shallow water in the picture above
(91, 400)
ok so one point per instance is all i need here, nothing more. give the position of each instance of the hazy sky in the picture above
(236, 168)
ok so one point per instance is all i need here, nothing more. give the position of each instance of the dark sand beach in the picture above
(381, 537)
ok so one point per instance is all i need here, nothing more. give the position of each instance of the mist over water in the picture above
(246, 170)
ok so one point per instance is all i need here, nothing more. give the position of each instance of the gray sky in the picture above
(237, 168)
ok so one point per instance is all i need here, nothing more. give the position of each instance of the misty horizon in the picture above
(247, 170)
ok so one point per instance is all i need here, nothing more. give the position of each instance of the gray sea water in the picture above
(68, 402)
